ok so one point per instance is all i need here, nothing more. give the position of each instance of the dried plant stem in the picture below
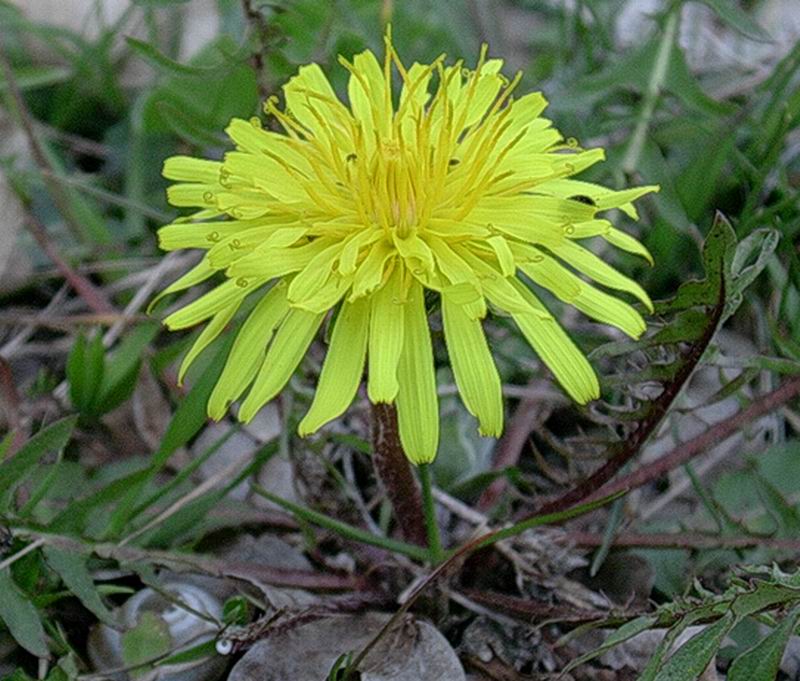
(394, 473)
(715, 435)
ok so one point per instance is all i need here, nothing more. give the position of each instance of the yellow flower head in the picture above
(464, 191)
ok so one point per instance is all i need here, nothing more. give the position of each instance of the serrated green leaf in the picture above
(71, 568)
(692, 658)
(53, 438)
(762, 661)
(719, 249)
(624, 633)
(21, 617)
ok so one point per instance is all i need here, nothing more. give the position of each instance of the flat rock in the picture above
(412, 651)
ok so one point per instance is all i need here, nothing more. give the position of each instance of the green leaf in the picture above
(32, 77)
(236, 610)
(762, 661)
(122, 368)
(85, 366)
(52, 438)
(730, 12)
(21, 617)
(624, 633)
(153, 55)
(148, 640)
(719, 249)
(74, 518)
(692, 658)
(185, 423)
(18, 675)
(199, 652)
(189, 128)
(71, 568)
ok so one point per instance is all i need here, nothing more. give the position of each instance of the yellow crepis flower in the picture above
(359, 209)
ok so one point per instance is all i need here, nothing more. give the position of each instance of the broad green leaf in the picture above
(149, 639)
(52, 438)
(122, 368)
(762, 661)
(692, 658)
(21, 617)
(72, 569)
(85, 367)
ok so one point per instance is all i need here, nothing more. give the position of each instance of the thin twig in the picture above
(252, 572)
(22, 552)
(683, 540)
(94, 298)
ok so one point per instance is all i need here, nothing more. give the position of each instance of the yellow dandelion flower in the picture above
(460, 189)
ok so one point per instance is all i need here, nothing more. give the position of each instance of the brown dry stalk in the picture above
(394, 473)
(683, 540)
(697, 445)
(589, 489)
(94, 298)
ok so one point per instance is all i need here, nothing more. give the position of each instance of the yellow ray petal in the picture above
(367, 91)
(369, 274)
(268, 262)
(473, 367)
(248, 350)
(215, 327)
(417, 402)
(188, 169)
(589, 264)
(231, 292)
(344, 364)
(386, 328)
(287, 349)
(556, 349)
(198, 274)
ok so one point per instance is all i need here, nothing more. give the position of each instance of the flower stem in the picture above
(393, 470)
(428, 507)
